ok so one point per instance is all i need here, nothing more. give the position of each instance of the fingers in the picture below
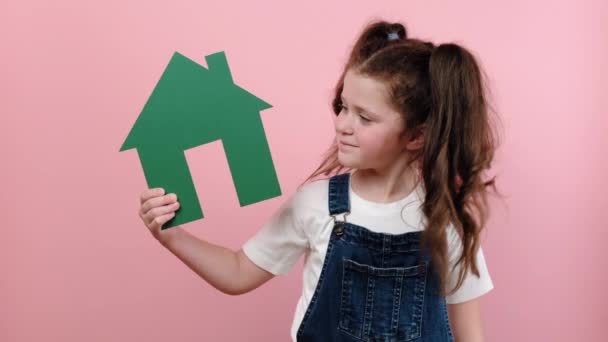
(157, 202)
(158, 221)
(157, 208)
(159, 211)
(149, 193)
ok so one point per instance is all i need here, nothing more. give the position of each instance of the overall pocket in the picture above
(377, 303)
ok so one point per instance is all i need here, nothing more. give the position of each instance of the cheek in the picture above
(373, 141)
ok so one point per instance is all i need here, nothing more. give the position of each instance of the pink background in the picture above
(76, 262)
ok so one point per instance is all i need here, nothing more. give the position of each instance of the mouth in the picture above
(340, 143)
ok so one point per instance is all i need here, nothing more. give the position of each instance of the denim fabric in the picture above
(373, 286)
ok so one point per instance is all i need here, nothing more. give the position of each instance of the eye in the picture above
(343, 107)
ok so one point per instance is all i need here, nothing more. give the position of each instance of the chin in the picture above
(348, 162)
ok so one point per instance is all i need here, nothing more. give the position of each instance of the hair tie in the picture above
(393, 36)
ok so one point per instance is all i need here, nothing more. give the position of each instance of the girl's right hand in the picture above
(156, 209)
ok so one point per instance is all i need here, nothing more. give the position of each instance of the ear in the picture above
(415, 140)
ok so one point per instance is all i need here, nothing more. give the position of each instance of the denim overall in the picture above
(373, 286)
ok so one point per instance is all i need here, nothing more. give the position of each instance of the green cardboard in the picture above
(191, 106)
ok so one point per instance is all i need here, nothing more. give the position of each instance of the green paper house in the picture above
(191, 106)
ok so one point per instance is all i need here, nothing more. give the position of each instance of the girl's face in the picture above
(367, 128)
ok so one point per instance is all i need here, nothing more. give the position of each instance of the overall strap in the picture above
(338, 194)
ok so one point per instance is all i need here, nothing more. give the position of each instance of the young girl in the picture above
(392, 247)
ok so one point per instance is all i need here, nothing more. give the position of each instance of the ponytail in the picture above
(459, 148)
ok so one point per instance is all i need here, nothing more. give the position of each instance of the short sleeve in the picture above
(472, 286)
(279, 243)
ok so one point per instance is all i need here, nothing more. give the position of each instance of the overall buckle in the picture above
(339, 225)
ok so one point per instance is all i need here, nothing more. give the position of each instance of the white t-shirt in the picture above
(302, 226)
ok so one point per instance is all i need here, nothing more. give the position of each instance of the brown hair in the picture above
(440, 87)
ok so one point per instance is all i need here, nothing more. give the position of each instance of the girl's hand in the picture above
(156, 209)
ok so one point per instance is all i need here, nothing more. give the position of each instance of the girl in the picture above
(392, 247)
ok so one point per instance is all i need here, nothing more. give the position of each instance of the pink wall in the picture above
(77, 264)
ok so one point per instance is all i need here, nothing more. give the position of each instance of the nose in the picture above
(343, 124)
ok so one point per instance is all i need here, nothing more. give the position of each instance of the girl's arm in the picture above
(228, 271)
(465, 319)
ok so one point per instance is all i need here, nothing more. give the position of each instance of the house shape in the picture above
(191, 106)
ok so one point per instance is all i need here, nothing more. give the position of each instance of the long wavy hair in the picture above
(443, 88)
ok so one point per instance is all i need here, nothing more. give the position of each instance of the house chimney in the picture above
(218, 65)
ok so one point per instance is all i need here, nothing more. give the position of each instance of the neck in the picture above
(385, 185)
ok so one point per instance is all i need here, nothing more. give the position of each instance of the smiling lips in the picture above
(345, 144)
